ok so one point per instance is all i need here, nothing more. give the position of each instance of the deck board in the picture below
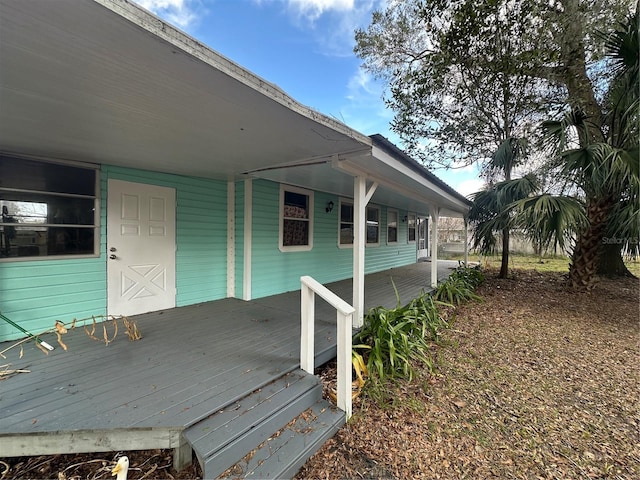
(190, 362)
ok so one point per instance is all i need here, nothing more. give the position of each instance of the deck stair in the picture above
(270, 433)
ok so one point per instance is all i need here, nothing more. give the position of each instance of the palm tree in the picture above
(604, 173)
(489, 211)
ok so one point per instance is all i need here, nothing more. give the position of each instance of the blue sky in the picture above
(306, 48)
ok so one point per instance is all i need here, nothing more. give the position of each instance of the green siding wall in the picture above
(36, 293)
(274, 271)
(201, 238)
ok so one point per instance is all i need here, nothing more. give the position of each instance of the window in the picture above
(392, 226)
(48, 209)
(411, 225)
(346, 224)
(346, 234)
(373, 226)
(296, 219)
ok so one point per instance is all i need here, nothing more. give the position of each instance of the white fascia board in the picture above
(388, 160)
(167, 32)
(416, 191)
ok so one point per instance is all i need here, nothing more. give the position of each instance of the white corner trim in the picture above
(231, 239)
(246, 274)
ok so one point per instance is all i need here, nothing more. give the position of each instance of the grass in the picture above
(534, 262)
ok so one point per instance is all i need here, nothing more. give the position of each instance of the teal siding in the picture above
(37, 293)
(385, 256)
(270, 271)
(201, 238)
(274, 271)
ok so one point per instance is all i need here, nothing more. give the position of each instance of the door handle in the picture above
(112, 257)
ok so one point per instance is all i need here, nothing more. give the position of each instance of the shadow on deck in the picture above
(191, 363)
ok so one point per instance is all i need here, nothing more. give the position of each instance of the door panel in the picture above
(423, 237)
(140, 248)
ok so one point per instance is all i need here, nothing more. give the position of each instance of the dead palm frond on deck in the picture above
(110, 329)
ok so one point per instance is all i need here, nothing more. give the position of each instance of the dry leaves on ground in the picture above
(537, 381)
(143, 464)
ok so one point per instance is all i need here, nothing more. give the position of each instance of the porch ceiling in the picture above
(400, 186)
(105, 81)
(79, 81)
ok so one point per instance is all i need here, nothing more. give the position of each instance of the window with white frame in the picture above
(392, 226)
(48, 209)
(296, 219)
(346, 233)
(411, 227)
(373, 226)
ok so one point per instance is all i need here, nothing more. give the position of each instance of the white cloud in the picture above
(362, 83)
(467, 187)
(331, 23)
(313, 9)
(178, 12)
(364, 109)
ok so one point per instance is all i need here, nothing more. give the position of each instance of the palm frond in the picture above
(510, 153)
(550, 219)
(622, 45)
(510, 191)
(601, 169)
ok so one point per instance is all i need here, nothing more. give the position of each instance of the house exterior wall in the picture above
(274, 271)
(36, 293)
(201, 226)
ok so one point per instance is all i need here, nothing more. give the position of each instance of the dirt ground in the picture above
(536, 382)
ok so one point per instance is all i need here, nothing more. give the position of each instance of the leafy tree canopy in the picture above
(465, 75)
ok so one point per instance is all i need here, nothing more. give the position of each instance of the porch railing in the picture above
(345, 331)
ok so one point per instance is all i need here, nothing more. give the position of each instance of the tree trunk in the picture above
(586, 255)
(504, 267)
(574, 69)
(610, 263)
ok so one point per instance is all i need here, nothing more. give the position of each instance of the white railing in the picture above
(345, 331)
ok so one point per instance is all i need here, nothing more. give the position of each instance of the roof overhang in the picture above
(402, 182)
(105, 81)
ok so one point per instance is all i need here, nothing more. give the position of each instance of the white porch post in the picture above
(435, 213)
(466, 242)
(231, 239)
(307, 328)
(361, 197)
(359, 239)
(246, 271)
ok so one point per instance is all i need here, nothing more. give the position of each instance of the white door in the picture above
(423, 238)
(141, 248)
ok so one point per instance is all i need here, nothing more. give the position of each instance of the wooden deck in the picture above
(192, 361)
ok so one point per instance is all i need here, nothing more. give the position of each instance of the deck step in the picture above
(282, 455)
(225, 437)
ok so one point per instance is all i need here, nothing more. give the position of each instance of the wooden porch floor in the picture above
(192, 361)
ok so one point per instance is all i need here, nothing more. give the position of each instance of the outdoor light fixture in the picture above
(404, 219)
(329, 207)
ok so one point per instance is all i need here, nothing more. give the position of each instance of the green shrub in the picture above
(460, 286)
(395, 338)
(474, 276)
(391, 340)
